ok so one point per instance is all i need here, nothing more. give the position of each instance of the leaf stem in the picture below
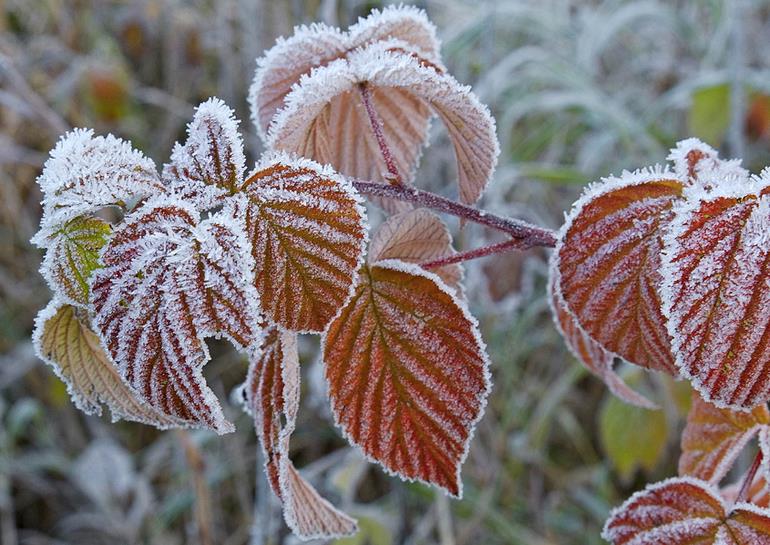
(379, 135)
(526, 234)
(749, 479)
(499, 248)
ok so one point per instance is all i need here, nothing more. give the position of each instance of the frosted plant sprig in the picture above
(663, 267)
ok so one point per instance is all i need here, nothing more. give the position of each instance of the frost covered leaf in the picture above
(716, 295)
(685, 511)
(714, 437)
(407, 373)
(587, 351)
(758, 493)
(698, 163)
(609, 261)
(72, 255)
(211, 164)
(87, 172)
(64, 341)
(307, 234)
(168, 282)
(272, 392)
(317, 45)
(416, 236)
(324, 118)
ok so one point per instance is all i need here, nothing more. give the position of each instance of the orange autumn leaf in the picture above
(714, 437)
(307, 232)
(716, 295)
(608, 260)
(407, 373)
(685, 511)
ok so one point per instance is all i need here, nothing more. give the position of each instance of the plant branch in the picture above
(379, 135)
(499, 248)
(749, 479)
(527, 234)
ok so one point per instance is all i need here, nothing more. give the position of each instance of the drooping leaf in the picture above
(306, 230)
(170, 280)
(324, 119)
(211, 164)
(407, 373)
(72, 255)
(714, 437)
(587, 351)
(64, 341)
(416, 236)
(716, 296)
(608, 258)
(85, 173)
(317, 45)
(272, 394)
(685, 511)
(632, 438)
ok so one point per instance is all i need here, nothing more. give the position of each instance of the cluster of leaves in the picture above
(145, 266)
(666, 268)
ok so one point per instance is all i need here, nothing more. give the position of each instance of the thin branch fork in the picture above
(526, 234)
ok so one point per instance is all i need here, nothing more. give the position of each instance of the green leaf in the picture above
(710, 113)
(632, 438)
(73, 254)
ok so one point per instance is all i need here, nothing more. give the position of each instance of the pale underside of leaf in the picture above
(685, 511)
(714, 437)
(64, 341)
(273, 389)
(316, 46)
(416, 236)
(169, 282)
(407, 373)
(717, 298)
(609, 260)
(71, 257)
(307, 235)
(587, 351)
(210, 165)
(324, 119)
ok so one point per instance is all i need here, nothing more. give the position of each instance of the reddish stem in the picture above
(499, 248)
(527, 234)
(749, 479)
(379, 135)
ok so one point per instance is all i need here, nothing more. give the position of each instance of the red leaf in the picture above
(609, 260)
(685, 511)
(272, 392)
(714, 437)
(168, 282)
(407, 373)
(716, 295)
(307, 233)
(210, 165)
(587, 351)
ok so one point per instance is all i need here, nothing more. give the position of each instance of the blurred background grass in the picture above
(580, 89)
